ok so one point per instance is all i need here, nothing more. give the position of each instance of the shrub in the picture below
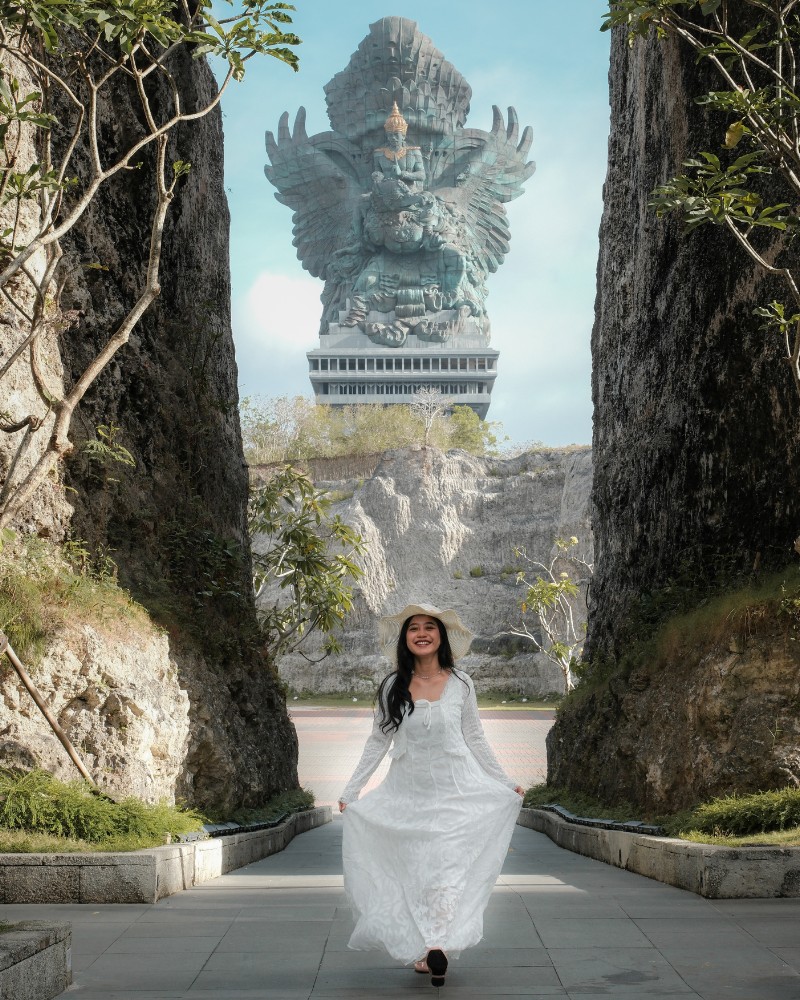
(741, 815)
(476, 571)
(35, 801)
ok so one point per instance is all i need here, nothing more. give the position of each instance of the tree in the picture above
(277, 429)
(469, 432)
(294, 544)
(556, 629)
(61, 62)
(752, 46)
(429, 405)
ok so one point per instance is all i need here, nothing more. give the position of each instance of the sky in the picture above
(550, 65)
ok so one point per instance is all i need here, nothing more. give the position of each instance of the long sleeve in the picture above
(475, 738)
(374, 751)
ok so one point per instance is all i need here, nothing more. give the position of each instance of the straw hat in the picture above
(457, 632)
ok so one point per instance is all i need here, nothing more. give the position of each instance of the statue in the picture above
(403, 235)
(396, 160)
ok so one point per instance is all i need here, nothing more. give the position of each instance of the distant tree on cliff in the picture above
(61, 61)
(474, 435)
(430, 406)
(285, 429)
(553, 615)
(753, 47)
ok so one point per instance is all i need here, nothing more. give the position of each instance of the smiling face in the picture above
(423, 636)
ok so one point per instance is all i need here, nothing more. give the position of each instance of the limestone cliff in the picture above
(696, 446)
(441, 529)
(175, 524)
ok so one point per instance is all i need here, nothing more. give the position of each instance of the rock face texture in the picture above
(120, 701)
(696, 431)
(49, 515)
(708, 723)
(696, 447)
(176, 523)
(441, 529)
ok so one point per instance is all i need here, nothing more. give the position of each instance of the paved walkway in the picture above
(557, 925)
(331, 741)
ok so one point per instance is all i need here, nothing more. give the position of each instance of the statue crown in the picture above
(395, 122)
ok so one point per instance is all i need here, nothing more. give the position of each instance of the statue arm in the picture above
(414, 167)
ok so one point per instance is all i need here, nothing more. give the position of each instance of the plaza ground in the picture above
(557, 924)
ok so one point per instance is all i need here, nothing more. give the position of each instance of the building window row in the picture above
(400, 388)
(402, 364)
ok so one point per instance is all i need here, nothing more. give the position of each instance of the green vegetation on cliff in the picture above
(681, 621)
(46, 589)
(700, 704)
(284, 429)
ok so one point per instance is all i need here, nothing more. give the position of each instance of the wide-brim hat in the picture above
(458, 634)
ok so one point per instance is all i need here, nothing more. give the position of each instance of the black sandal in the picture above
(437, 963)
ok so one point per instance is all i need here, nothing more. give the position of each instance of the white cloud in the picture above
(275, 321)
(280, 312)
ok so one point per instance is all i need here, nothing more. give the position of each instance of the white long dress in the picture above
(423, 850)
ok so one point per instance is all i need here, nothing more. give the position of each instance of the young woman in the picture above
(423, 850)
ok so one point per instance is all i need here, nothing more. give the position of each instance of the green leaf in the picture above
(734, 134)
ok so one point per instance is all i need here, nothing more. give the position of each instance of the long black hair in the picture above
(398, 702)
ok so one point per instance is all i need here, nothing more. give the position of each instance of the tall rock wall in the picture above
(441, 529)
(696, 431)
(696, 447)
(176, 523)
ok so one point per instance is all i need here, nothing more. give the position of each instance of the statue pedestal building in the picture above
(344, 372)
(400, 210)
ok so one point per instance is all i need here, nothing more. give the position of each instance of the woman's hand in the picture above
(519, 790)
(342, 806)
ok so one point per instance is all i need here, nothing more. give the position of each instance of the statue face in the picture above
(395, 140)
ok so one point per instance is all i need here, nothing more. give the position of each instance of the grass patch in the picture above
(577, 803)
(491, 699)
(775, 838)
(770, 818)
(678, 624)
(343, 699)
(42, 594)
(506, 702)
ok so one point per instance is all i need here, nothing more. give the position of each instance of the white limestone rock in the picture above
(442, 529)
(119, 700)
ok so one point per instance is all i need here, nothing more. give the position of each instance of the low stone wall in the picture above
(35, 960)
(713, 872)
(142, 876)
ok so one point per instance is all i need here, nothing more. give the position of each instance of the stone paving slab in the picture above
(557, 925)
